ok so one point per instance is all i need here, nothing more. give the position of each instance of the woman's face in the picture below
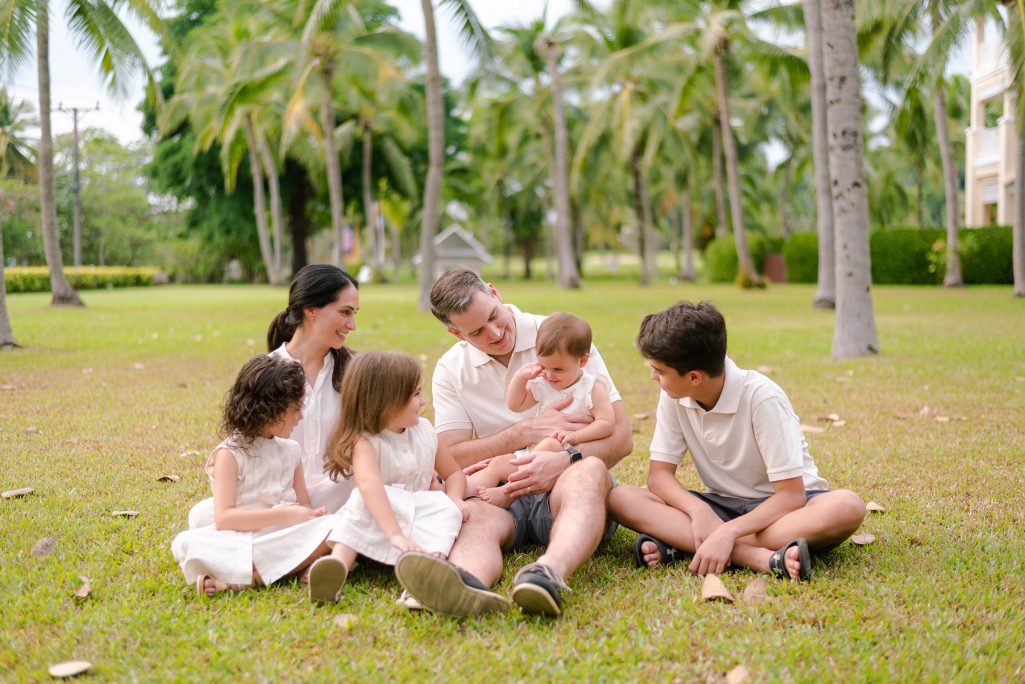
(331, 324)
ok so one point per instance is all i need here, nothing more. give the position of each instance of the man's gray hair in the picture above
(453, 292)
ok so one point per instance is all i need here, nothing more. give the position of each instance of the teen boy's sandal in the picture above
(777, 561)
(669, 554)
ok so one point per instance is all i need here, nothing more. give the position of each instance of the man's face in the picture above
(487, 324)
(672, 383)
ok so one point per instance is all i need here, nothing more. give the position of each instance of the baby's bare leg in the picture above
(496, 471)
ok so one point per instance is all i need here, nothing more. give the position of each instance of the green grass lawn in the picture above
(129, 389)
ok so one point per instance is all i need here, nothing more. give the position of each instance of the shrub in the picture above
(986, 255)
(37, 278)
(801, 254)
(721, 257)
(900, 256)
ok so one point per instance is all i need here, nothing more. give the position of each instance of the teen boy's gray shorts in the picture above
(532, 516)
(728, 508)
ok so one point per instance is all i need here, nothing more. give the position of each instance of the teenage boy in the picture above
(766, 505)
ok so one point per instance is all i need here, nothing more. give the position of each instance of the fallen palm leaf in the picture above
(87, 371)
(863, 539)
(813, 429)
(942, 419)
(44, 547)
(839, 423)
(346, 621)
(15, 493)
(189, 454)
(833, 417)
(925, 411)
(69, 668)
(84, 590)
(124, 514)
(138, 366)
(738, 675)
(873, 507)
(712, 589)
(640, 416)
(168, 478)
(765, 370)
(32, 430)
(756, 591)
(7, 388)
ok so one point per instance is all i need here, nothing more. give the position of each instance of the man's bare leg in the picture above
(476, 549)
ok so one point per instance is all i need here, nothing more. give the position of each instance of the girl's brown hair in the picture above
(265, 388)
(375, 386)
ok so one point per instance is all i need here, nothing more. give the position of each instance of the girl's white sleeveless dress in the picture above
(266, 472)
(429, 518)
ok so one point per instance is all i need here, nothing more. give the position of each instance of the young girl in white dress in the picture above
(563, 346)
(264, 528)
(392, 453)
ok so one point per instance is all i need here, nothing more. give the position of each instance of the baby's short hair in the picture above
(564, 332)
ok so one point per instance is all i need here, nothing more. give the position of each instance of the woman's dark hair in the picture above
(313, 287)
(265, 388)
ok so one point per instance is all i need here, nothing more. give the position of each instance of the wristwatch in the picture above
(574, 453)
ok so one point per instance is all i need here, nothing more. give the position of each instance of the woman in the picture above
(321, 312)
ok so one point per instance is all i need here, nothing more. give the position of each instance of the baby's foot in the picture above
(495, 496)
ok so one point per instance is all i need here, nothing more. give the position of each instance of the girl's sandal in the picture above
(327, 575)
(777, 561)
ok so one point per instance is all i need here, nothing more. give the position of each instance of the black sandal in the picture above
(670, 555)
(777, 561)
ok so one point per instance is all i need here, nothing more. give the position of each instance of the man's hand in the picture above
(552, 419)
(713, 554)
(537, 472)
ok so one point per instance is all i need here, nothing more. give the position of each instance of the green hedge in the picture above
(37, 278)
(721, 261)
(915, 256)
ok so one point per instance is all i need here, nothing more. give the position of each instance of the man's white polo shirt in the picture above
(751, 437)
(468, 387)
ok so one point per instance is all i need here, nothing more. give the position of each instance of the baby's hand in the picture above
(565, 437)
(529, 371)
(404, 543)
(464, 508)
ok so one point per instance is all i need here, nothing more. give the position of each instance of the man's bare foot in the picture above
(495, 496)
(207, 586)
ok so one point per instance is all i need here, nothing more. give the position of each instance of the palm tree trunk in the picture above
(640, 213)
(374, 229)
(61, 289)
(722, 227)
(1018, 228)
(568, 277)
(298, 215)
(259, 202)
(270, 166)
(825, 291)
(686, 218)
(435, 155)
(748, 273)
(952, 278)
(920, 197)
(855, 330)
(6, 334)
(333, 165)
(784, 211)
(507, 233)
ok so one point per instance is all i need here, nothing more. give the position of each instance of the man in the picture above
(559, 496)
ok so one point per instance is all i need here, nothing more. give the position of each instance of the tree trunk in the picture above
(639, 213)
(6, 334)
(784, 211)
(507, 233)
(686, 218)
(855, 331)
(579, 244)
(528, 256)
(920, 197)
(333, 165)
(568, 277)
(298, 218)
(435, 156)
(60, 288)
(825, 291)
(748, 273)
(722, 227)
(952, 278)
(260, 203)
(270, 166)
(370, 208)
(1018, 228)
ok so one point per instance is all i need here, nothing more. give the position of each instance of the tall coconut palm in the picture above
(15, 160)
(1014, 38)
(855, 328)
(97, 29)
(479, 42)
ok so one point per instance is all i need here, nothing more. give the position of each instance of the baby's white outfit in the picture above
(546, 395)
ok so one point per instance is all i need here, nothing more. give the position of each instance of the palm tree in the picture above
(15, 160)
(479, 42)
(96, 27)
(855, 331)
(1014, 38)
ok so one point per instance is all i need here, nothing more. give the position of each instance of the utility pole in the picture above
(76, 204)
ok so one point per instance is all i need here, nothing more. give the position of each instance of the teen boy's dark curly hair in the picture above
(264, 389)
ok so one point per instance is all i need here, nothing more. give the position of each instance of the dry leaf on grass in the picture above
(813, 429)
(15, 493)
(87, 371)
(250, 342)
(69, 668)
(925, 411)
(839, 423)
(765, 370)
(124, 514)
(842, 378)
(863, 539)
(1019, 378)
(738, 675)
(32, 430)
(640, 416)
(138, 366)
(83, 591)
(873, 507)
(346, 621)
(7, 388)
(44, 547)
(942, 419)
(756, 591)
(189, 454)
(712, 589)
(168, 478)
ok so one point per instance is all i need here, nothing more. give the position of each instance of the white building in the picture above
(990, 141)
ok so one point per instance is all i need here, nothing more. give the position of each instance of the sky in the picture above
(75, 82)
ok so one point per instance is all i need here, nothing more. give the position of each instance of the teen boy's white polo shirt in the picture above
(751, 437)
(468, 387)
